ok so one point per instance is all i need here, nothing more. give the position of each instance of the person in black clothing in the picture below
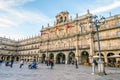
(76, 64)
(12, 61)
(1, 61)
(52, 64)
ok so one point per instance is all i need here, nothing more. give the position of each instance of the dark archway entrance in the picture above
(43, 58)
(102, 56)
(17, 58)
(51, 56)
(8, 58)
(111, 60)
(60, 58)
(71, 58)
(84, 57)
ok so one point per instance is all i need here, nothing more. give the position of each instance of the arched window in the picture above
(61, 19)
(65, 19)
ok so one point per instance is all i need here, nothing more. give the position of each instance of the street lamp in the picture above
(97, 22)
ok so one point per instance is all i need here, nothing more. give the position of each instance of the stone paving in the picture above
(59, 72)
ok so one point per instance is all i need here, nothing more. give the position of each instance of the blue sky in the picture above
(20, 19)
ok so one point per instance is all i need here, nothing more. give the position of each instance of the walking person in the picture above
(1, 62)
(76, 64)
(12, 61)
(94, 63)
(52, 64)
(21, 63)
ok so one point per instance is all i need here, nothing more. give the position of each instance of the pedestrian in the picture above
(12, 61)
(21, 63)
(76, 64)
(52, 64)
(1, 62)
(33, 65)
(94, 63)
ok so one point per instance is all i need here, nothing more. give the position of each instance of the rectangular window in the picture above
(117, 24)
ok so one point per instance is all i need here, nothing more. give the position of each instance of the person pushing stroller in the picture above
(33, 65)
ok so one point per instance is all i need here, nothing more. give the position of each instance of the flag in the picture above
(56, 28)
(67, 27)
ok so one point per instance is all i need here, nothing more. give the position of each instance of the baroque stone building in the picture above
(68, 40)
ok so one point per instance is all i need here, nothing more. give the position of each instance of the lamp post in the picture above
(97, 22)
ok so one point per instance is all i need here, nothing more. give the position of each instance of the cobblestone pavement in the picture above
(59, 72)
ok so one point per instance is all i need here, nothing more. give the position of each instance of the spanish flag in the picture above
(67, 27)
(56, 28)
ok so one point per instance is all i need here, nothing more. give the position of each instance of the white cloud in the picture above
(16, 17)
(11, 17)
(111, 6)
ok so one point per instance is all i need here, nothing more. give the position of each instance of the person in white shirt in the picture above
(21, 63)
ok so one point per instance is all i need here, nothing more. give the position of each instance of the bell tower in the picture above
(62, 17)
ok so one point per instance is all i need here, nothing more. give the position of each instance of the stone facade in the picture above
(69, 40)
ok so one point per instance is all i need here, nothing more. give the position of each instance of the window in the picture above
(107, 26)
(118, 34)
(65, 19)
(117, 24)
(83, 29)
(61, 19)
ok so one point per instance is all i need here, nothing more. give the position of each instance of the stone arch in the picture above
(13, 57)
(102, 56)
(51, 56)
(2, 57)
(60, 58)
(8, 58)
(17, 58)
(43, 58)
(84, 57)
(71, 57)
(110, 60)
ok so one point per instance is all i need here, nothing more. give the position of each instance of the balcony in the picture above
(65, 48)
(108, 37)
(109, 48)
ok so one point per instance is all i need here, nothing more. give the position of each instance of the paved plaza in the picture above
(59, 72)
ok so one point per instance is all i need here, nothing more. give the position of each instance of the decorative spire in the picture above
(88, 11)
(42, 26)
(77, 15)
(48, 25)
(71, 18)
(109, 14)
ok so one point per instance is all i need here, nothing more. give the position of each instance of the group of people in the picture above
(9, 63)
(50, 63)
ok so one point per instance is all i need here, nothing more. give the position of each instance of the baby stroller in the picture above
(7, 64)
(32, 66)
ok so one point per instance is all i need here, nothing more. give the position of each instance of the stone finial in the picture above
(109, 14)
(77, 15)
(48, 25)
(42, 26)
(88, 11)
(71, 18)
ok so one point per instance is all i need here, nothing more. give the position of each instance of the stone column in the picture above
(106, 59)
(91, 44)
(66, 62)
(77, 49)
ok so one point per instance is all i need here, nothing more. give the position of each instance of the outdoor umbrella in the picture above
(114, 56)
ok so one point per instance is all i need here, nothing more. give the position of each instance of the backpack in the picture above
(94, 61)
